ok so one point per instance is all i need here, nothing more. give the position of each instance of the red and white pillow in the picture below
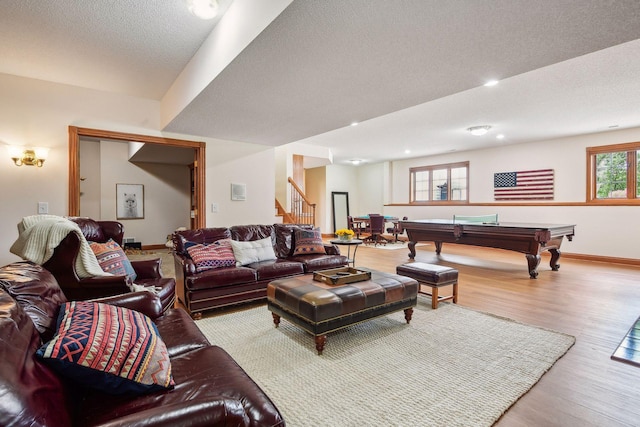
(215, 255)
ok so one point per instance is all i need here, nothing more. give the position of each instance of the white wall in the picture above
(90, 179)
(371, 184)
(342, 179)
(37, 113)
(166, 193)
(600, 230)
(257, 171)
(315, 184)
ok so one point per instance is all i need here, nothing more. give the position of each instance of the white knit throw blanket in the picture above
(39, 235)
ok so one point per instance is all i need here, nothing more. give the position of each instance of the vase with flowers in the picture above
(344, 234)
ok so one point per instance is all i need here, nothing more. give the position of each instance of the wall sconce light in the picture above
(28, 156)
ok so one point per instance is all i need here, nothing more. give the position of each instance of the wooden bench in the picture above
(434, 276)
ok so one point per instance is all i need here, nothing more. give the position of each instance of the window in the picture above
(612, 174)
(440, 183)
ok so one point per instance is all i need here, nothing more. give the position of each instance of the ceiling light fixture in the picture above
(354, 123)
(501, 136)
(355, 162)
(491, 83)
(203, 9)
(479, 130)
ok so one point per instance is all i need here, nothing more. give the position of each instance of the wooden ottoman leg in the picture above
(276, 319)
(320, 341)
(434, 297)
(455, 292)
(408, 313)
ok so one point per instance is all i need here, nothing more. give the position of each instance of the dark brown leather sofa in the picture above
(62, 266)
(211, 388)
(200, 291)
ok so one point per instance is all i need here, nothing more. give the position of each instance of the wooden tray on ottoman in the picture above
(341, 276)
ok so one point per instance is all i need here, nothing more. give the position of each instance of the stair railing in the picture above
(302, 210)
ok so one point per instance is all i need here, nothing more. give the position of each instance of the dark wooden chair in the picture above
(356, 226)
(397, 229)
(375, 229)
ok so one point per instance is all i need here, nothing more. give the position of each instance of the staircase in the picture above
(302, 210)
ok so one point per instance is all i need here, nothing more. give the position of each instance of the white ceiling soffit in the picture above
(322, 64)
(163, 154)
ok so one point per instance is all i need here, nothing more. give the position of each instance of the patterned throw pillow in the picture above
(215, 255)
(112, 259)
(308, 242)
(109, 348)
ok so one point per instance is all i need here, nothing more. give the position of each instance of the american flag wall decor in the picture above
(523, 185)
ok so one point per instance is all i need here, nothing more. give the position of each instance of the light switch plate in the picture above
(43, 208)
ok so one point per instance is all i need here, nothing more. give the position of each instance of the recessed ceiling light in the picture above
(491, 83)
(355, 162)
(407, 151)
(479, 130)
(613, 126)
(354, 123)
(203, 9)
(500, 136)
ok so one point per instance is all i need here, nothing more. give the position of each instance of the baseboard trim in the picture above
(153, 247)
(600, 258)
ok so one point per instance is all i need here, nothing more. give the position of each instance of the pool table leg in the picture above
(412, 249)
(555, 256)
(438, 247)
(533, 260)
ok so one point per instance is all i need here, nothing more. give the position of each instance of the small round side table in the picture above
(348, 243)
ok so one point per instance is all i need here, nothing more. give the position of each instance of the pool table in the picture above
(529, 238)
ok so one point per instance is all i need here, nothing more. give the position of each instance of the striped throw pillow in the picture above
(215, 255)
(112, 259)
(308, 242)
(109, 348)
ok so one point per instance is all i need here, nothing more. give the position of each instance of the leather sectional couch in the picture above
(217, 287)
(211, 389)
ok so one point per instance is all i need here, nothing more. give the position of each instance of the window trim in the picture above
(630, 148)
(448, 167)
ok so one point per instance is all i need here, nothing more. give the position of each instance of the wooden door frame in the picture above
(75, 133)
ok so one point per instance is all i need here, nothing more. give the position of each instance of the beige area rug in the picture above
(167, 266)
(450, 367)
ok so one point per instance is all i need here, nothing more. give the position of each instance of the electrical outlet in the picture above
(43, 208)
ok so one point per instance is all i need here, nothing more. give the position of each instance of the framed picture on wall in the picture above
(238, 192)
(129, 201)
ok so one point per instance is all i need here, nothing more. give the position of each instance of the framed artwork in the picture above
(129, 201)
(238, 191)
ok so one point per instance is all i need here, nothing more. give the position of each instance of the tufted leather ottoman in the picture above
(319, 308)
(434, 276)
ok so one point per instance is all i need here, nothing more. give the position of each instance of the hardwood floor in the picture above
(595, 302)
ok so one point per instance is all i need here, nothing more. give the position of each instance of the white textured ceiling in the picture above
(410, 71)
(135, 47)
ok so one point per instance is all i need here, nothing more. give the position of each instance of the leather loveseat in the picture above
(205, 290)
(211, 389)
